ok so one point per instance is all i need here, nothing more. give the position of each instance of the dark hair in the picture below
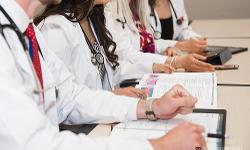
(77, 10)
(152, 3)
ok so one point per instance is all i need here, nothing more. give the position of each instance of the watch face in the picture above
(151, 116)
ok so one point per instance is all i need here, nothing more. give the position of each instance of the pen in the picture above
(229, 84)
(218, 136)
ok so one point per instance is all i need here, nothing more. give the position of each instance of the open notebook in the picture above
(201, 85)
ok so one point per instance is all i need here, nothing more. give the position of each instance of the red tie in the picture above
(30, 33)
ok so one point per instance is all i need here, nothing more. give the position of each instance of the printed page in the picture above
(201, 85)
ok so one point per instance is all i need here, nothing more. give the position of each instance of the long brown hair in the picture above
(77, 10)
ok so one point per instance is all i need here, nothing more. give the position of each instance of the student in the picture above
(37, 93)
(169, 21)
(120, 19)
(80, 39)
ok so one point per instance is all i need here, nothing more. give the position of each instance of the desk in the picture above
(242, 75)
(100, 131)
(228, 28)
(237, 102)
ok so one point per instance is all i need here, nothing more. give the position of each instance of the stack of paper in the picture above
(201, 85)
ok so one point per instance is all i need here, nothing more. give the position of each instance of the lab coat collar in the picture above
(17, 14)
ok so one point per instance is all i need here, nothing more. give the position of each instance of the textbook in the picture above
(201, 85)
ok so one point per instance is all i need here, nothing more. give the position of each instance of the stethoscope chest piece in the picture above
(97, 59)
(157, 35)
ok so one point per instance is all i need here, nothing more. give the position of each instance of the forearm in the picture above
(141, 109)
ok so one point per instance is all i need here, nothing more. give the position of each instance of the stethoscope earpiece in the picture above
(122, 22)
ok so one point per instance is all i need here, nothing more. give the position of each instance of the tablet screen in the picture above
(214, 122)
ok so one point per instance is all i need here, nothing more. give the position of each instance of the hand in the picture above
(186, 136)
(163, 68)
(176, 101)
(131, 92)
(170, 52)
(195, 45)
(193, 62)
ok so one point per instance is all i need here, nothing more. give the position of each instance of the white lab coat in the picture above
(181, 32)
(27, 124)
(128, 42)
(68, 42)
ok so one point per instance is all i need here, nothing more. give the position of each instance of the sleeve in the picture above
(125, 49)
(79, 104)
(23, 126)
(186, 33)
(162, 45)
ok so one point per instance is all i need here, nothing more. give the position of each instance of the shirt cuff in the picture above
(132, 109)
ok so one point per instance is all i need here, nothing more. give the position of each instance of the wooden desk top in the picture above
(242, 75)
(236, 100)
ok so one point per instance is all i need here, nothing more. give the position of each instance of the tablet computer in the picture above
(218, 128)
(233, 50)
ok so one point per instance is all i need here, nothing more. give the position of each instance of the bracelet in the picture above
(173, 60)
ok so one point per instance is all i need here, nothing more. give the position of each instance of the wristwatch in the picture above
(149, 110)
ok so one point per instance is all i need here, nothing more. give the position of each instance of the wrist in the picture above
(141, 109)
(156, 108)
(180, 45)
(179, 62)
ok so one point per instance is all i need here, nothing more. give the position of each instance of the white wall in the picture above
(217, 9)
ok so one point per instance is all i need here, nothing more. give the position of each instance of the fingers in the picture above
(163, 68)
(140, 93)
(201, 66)
(185, 110)
(185, 101)
(200, 138)
(199, 57)
(131, 92)
(179, 91)
(167, 69)
(201, 41)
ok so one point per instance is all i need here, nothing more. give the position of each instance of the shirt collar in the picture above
(16, 13)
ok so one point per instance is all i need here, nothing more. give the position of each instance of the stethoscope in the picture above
(97, 58)
(123, 22)
(38, 90)
(179, 20)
